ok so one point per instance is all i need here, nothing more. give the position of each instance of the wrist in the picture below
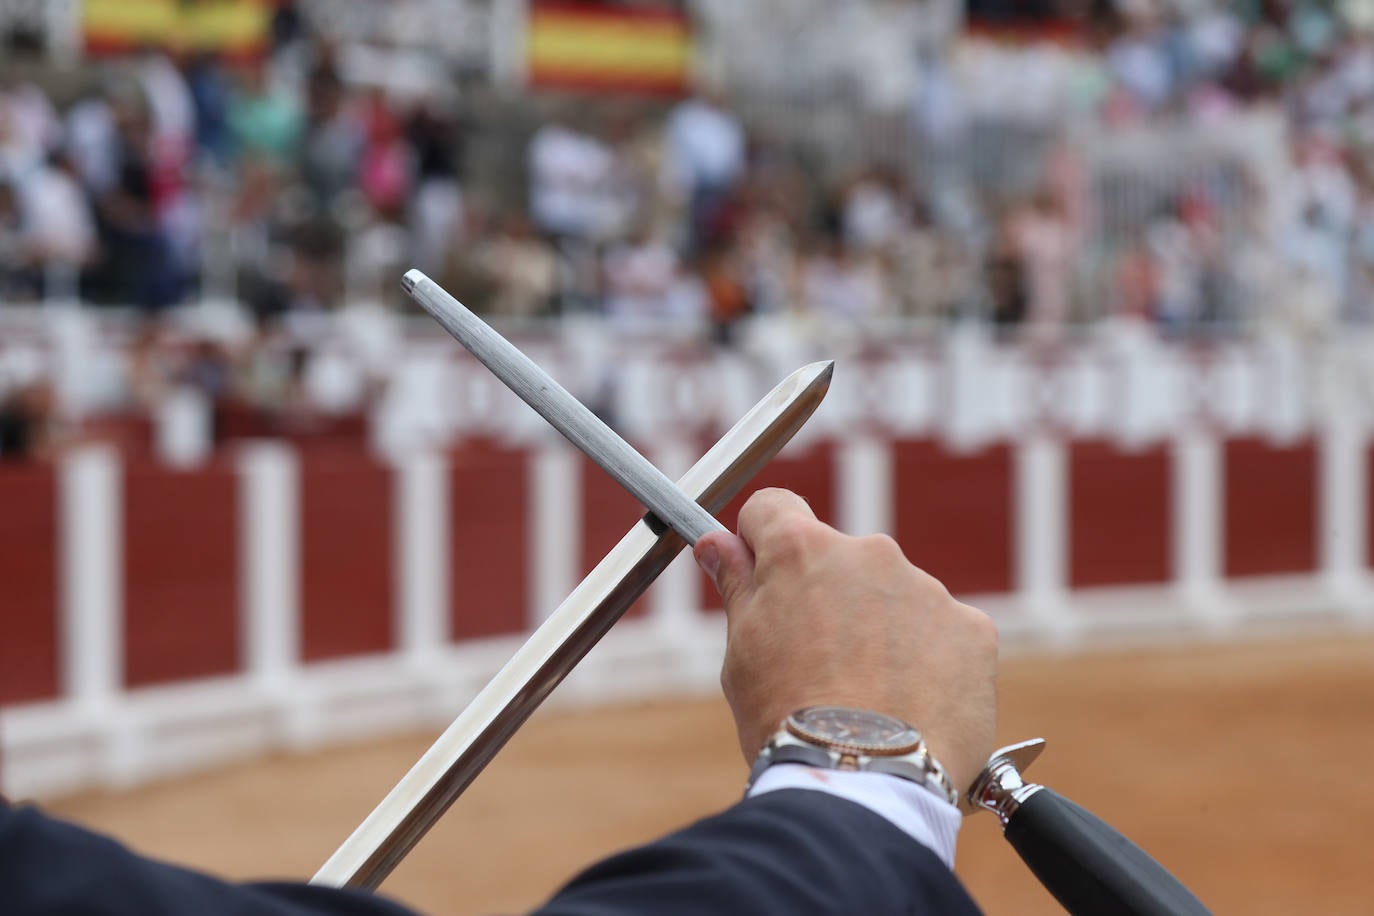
(848, 738)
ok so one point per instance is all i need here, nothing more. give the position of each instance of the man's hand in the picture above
(820, 618)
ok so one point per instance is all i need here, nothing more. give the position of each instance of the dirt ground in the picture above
(1245, 769)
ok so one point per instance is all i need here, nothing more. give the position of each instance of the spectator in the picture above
(138, 264)
(436, 208)
(570, 199)
(333, 141)
(26, 423)
(570, 182)
(523, 271)
(93, 143)
(384, 175)
(705, 158)
(171, 110)
(18, 279)
(210, 94)
(1006, 277)
(838, 285)
(1045, 248)
(870, 213)
(263, 120)
(767, 260)
(1139, 61)
(727, 299)
(59, 231)
(29, 127)
(640, 278)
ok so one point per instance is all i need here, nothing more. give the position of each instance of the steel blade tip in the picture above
(814, 376)
(824, 368)
(411, 278)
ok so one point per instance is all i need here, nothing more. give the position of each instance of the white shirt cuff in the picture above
(916, 811)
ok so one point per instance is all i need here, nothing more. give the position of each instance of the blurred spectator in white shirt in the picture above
(172, 110)
(871, 213)
(92, 142)
(1139, 61)
(570, 182)
(704, 159)
(59, 227)
(29, 127)
(835, 284)
(640, 278)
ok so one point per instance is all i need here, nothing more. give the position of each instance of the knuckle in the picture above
(983, 626)
(883, 546)
(933, 586)
(793, 538)
(761, 501)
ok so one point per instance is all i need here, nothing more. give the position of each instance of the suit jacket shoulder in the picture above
(51, 868)
(789, 853)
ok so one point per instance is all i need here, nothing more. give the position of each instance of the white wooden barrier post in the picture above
(269, 545)
(676, 596)
(555, 531)
(864, 486)
(421, 522)
(92, 584)
(1041, 534)
(1197, 526)
(1344, 505)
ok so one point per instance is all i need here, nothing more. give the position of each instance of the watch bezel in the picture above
(795, 724)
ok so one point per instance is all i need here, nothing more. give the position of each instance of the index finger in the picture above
(770, 518)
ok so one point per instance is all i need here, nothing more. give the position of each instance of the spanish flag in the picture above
(604, 48)
(237, 28)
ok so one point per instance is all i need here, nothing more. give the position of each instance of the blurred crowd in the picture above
(291, 186)
(282, 182)
(1202, 225)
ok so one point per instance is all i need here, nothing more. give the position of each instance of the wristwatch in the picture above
(841, 738)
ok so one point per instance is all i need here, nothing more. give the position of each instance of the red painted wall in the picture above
(28, 583)
(489, 539)
(1270, 521)
(181, 570)
(1120, 514)
(954, 513)
(811, 474)
(607, 513)
(347, 566)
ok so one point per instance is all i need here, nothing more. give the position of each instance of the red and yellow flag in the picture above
(595, 47)
(237, 28)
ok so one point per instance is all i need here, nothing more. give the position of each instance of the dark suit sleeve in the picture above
(791, 852)
(51, 867)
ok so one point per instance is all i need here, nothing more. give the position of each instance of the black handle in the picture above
(1089, 867)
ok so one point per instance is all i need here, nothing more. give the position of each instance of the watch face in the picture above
(856, 729)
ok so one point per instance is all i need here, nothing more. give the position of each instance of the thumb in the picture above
(728, 561)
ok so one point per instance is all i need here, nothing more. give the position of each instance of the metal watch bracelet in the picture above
(925, 770)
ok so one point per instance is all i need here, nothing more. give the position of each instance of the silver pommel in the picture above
(1000, 787)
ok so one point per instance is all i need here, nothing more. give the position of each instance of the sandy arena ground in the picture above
(1244, 769)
